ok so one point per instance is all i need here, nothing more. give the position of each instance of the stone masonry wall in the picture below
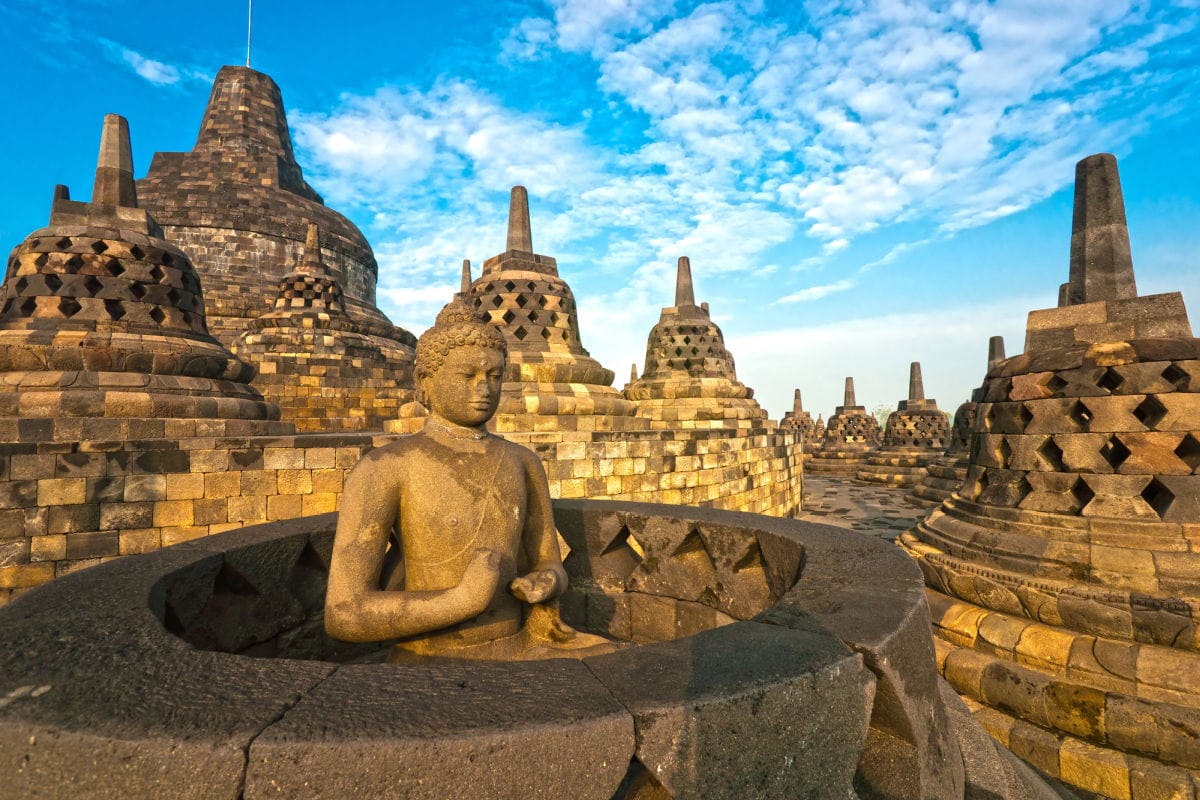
(65, 506)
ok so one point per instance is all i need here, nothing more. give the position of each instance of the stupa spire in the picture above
(995, 351)
(520, 235)
(685, 295)
(916, 386)
(310, 259)
(797, 405)
(1101, 263)
(633, 375)
(114, 168)
(465, 284)
(848, 399)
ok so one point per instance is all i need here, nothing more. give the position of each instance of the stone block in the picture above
(690, 697)
(96, 544)
(313, 504)
(185, 486)
(61, 491)
(219, 485)
(403, 725)
(145, 487)
(173, 513)
(294, 481)
(51, 547)
(283, 506)
(72, 518)
(144, 540)
(1094, 769)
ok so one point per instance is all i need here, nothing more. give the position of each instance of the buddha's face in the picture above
(466, 390)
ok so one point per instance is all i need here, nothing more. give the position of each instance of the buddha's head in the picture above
(459, 366)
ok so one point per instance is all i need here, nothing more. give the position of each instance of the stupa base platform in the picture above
(839, 461)
(1087, 710)
(902, 468)
(942, 479)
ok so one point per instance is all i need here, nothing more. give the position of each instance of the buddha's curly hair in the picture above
(456, 326)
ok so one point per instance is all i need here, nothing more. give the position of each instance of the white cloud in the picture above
(817, 292)
(157, 72)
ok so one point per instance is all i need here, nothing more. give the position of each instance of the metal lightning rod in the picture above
(249, 26)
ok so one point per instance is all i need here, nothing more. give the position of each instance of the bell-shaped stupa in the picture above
(102, 327)
(238, 204)
(800, 420)
(850, 436)
(1064, 576)
(551, 384)
(324, 369)
(689, 379)
(917, 432)
(947, 472)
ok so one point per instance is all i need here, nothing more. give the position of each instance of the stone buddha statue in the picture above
(446, 538)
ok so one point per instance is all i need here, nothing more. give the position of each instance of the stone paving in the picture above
(847, 503)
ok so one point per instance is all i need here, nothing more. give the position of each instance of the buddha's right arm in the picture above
(355, 609)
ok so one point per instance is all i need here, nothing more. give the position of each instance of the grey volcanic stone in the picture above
(152, 717)
(448, 729)
(713, 723)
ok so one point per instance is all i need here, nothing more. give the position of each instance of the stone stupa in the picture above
(801, 420)
(1064, 577)
(947, 472)
(917, 432)
(850, 436)
(238, 204)
(103, 334)
(321, 367)
(551, 384)
(689, 379)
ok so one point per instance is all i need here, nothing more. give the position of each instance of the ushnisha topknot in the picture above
(456, 326)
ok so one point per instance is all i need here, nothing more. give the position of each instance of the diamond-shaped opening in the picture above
(678, 351)
(157, 314)
(1024, 417)
(168, 260)
(1056, 384)
(174, 296)
(497, 301)
(28, 307)
(1022, 490)
(508, 316)
(137, 253)
(114, 308)
(138, 290)
(20, 285)
(115, 268)
(1158, 496)
(92, 284)
(53, 282)
(99, 246)
(687, 340)
(520, 333)
(1051, 453)
(1003, 453)
(157, 273)
(73, 264)
(531, 286)
(1110, 380)
(230, 583)
(6, 307)
(510, 286)
(1188, 451)
(542, 300)
(1080, 415)
(69, 306)
(1150, 411)
(546, 334)
(41, 260)
(522, 301)
(63, 243)
(532, 316)
(693, 549)
(1177, 377)
(1114, 452)
(752, 561)
(478, 302)
(1081, 492)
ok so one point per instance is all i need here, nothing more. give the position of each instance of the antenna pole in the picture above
(249, 25)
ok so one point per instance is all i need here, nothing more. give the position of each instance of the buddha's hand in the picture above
(479, 580)
(536, 587)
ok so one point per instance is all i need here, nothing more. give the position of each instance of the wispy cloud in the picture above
(159, 73)
(817, 292)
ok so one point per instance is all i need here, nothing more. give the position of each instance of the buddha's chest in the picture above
(455, 505)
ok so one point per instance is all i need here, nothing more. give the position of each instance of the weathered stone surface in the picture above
(449, 730)
(691, 699)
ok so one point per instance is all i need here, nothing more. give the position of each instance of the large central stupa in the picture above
(239, 206)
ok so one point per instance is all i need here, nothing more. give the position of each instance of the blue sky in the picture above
(858, 184)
